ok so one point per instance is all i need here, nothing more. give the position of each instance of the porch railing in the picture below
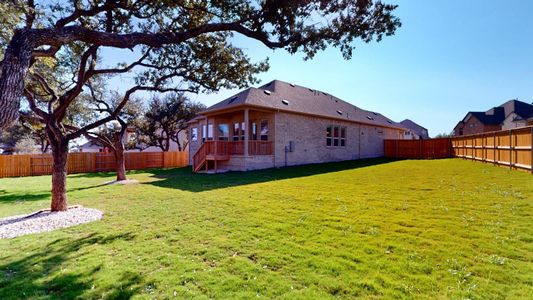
(260, 147)
(228, 148)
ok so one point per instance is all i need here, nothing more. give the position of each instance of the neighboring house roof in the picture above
(90, 145)
(498, 114)
(522, 109)
(288, 97)
(487, 119)
(414, 127)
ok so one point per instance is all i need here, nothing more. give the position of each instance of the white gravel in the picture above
(14, 226)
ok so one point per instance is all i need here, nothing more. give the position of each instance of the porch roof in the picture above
(282, 96)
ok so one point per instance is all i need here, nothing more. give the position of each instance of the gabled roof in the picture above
(497, 115)
(419, 130)
(90, 145)
(487, 119)
(283, 96)
(522, 109)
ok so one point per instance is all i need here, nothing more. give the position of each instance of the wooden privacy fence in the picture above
(426, 149)
(512, 148)
(41, 164)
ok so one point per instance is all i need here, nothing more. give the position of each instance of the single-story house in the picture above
(282, 124)
(414, 131)
(91, 146)
(511, 114)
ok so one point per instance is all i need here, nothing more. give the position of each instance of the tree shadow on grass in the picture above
(9, 197)
(46, 273)
(185, 179)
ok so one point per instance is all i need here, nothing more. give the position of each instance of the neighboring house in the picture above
(182, 136)
(414, 131)
(6, 149)
(281, 124)
(90, 147)
(511, 114)
(96, 147)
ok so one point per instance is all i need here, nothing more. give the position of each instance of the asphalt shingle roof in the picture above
(421, 131)
(288, 97)
(497, 115)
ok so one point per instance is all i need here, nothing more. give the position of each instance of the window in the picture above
(336, 136)
(254, 131)
(329, 135)
(204, 133)
(210, 131)
(236, 132)
(264, 130)
(243, 130)
(194, 134)
(223, 132)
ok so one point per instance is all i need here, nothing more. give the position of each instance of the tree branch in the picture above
(126, 69)
(50, 52)
(68, 34)
(113, 115)
(70, 95)
(33, 105)
(30, 14)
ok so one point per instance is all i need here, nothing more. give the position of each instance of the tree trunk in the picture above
(12, 75)
(59, 176)
(120, 160)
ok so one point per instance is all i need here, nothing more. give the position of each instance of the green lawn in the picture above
(371, 229)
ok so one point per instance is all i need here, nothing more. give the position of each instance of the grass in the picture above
(374, 229)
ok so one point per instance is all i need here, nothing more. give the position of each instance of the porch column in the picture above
(206, 128)
(246, 130)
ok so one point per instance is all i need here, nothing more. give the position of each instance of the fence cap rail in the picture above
(497, 132)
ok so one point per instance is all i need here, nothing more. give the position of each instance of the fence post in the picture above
(483, 146)
(494, 148)
(510, 149)
(474, 145)
(531, 150)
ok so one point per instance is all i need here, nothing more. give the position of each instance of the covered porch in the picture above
(232, 140)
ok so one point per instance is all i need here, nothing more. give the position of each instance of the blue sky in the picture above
(449, 57)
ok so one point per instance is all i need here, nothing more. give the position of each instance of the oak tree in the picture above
(165, 121)
(174, 40)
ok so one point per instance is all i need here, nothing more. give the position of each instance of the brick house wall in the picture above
(474, 126)
(309, 136)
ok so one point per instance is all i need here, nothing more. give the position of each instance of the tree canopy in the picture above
(53, 53)
(165, 120)
(176, 38)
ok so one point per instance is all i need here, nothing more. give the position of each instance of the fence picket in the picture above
(41, 164)
(511, 148)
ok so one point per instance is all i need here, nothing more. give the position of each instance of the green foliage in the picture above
(372, 229)
(10, 136)
(444, 135)
(166, 120)
(26, 145)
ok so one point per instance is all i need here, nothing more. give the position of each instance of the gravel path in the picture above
(14, 226)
